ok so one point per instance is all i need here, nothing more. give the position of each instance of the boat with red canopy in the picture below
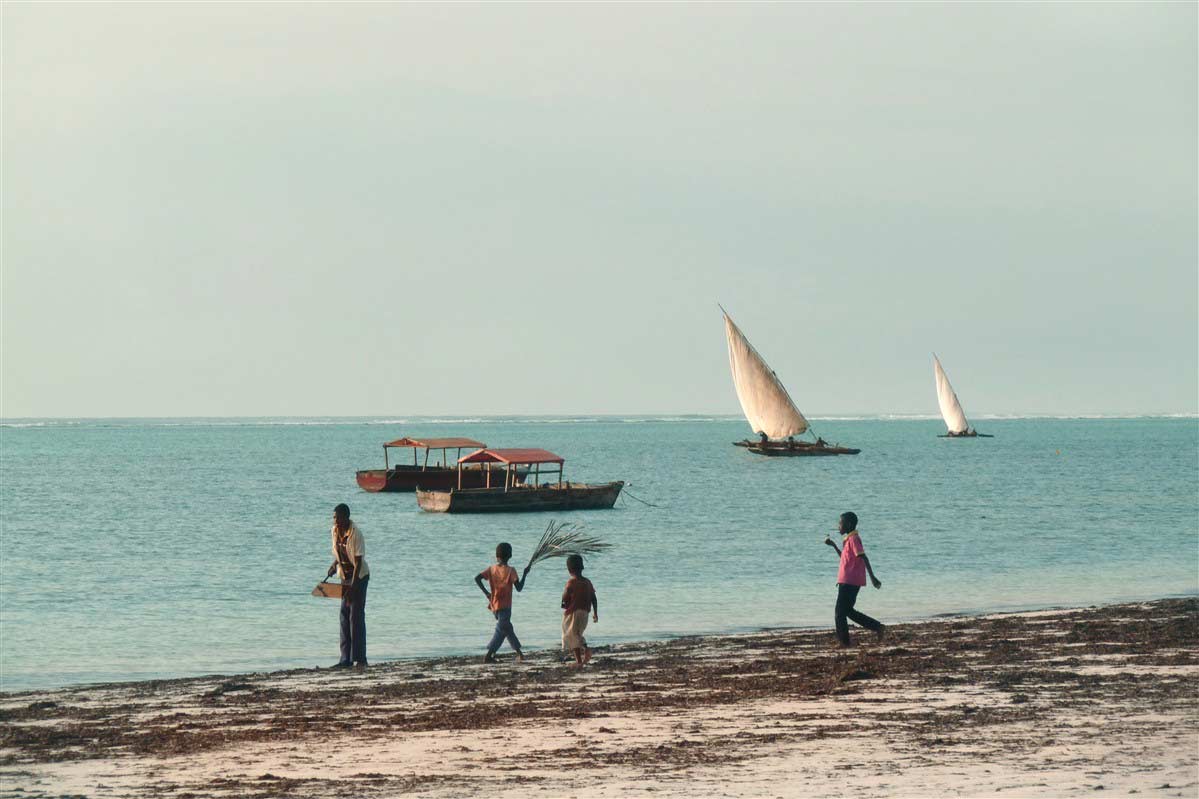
(442, 472)
(506, 491)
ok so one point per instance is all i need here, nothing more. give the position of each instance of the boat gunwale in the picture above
(518, 489)
(529, 499)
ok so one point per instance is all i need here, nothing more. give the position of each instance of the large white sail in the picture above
(767, 405)
(951, 409)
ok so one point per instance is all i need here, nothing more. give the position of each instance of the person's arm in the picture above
(356, 549)
(594, 607)
(332, 569)
(479, 582)
(519, 585)
(874, 580)
(831, 543)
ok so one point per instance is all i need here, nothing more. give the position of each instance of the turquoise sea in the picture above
(134, 549)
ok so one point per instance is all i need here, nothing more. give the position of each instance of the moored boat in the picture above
(442, 472)
(951, 408)
(512, 494)
(768, 407)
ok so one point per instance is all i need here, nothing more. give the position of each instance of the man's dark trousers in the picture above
(353, 623)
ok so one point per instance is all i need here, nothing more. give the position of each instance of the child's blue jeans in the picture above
(503, 629)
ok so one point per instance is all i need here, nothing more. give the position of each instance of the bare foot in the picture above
(489, 658)
(520, 657)
(587, 655)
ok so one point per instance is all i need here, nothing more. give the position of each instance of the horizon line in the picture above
(467, 417)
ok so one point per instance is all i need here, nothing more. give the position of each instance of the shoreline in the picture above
(1051, 702)
(1012, 609)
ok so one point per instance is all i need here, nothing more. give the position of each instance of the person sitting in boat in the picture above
(790, 442)
(765, 439)
(820, 442)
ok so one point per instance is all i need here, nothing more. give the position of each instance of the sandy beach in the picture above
(1095, 701)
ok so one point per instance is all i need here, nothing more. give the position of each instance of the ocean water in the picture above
(141, 549)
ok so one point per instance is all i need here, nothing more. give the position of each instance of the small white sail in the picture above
(767, 405)
(951, 409)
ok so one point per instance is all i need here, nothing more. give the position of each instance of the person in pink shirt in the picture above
(850, 579)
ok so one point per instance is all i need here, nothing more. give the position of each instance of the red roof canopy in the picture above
(523, 455)
(437, 443)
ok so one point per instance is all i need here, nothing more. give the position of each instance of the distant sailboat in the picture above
(951, 409)
(768, 407)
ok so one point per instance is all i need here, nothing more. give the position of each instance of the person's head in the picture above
(849, 522)
(574, 564)
(341, 514)
(503, 552)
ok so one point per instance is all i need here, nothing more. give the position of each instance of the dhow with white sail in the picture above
(951, 409)
(768, 407)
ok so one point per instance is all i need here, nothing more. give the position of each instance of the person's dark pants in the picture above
(503, 629)
(353, 624)
(847, 595)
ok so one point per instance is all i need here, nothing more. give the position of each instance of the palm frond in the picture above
(561, 539)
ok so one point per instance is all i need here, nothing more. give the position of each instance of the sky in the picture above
(282, 209)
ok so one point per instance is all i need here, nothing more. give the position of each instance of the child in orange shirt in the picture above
(577, 600)
(502, 579)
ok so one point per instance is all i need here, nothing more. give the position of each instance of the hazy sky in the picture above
(273, 209)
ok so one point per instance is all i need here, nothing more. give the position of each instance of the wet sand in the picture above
(1096, 701)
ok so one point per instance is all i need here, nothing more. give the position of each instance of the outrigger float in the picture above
(768, 407)
(441, 473)
(515, 494)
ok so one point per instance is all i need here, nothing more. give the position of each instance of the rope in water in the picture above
(627, 493)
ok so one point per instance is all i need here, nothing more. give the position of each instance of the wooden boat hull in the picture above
(568, 496)
(409, 478)
(965, 435)
(788, 449)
